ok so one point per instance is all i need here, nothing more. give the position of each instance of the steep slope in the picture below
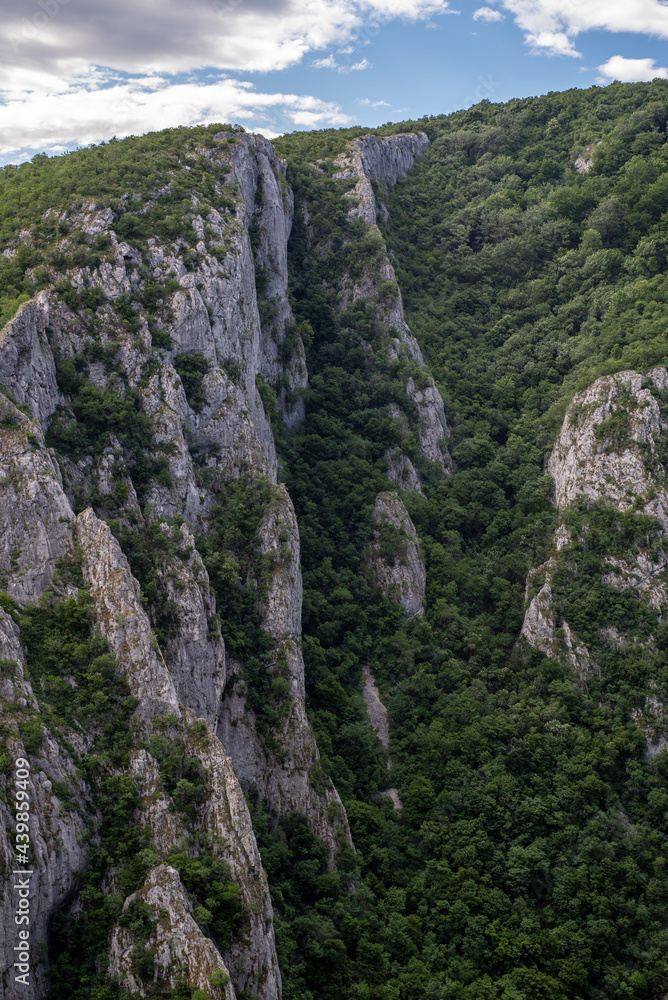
(95, 359)
(139, 499)
(526, 790)
(92, 574)
(380, 163)
(601, 597)
(218, 555)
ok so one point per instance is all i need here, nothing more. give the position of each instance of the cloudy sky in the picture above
(74, 72)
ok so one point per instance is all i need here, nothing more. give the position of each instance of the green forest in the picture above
(510, 872)
(530, 858)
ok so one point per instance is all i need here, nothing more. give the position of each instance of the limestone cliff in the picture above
(608, 462)
(209, 311)
(282, 769)
(376, 164)
(58, 851)
(178, 942)
(395, 554)
(35, 515)
(59, 847)
(228, 306)
(132, 428)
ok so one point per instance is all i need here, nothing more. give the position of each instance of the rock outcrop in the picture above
(229, 305)
(282, 775)
(585, 160)
(380, 163)
(59, 847)
(382, 160)
(181, 951)
(27, 368)
(609, 456)
(395, 554)
(257, 168)
(195, 655)
(127, 328)
(608, 443)
(35, 514)
(57, 832)
(132, 403)
(380, 723)
(226, 824)
(121, 617)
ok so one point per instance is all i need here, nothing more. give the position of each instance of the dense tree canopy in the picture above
(528, 860)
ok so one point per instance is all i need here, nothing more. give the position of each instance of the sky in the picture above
(75, 72)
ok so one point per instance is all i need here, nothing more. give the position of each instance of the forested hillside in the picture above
(210, 393)
(528, 859)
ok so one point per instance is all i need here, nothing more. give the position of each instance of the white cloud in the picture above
(50, 35)
(551, 26)
(631, 70)
(487, 14)
(49, 91)
(331, 63)
(86, 115)
(412, 9)
(368, 103)
(328, 63)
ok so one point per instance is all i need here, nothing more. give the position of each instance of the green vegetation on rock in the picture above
(528, 858)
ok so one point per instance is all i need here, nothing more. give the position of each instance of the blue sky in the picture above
(417, 70)
(79, 71)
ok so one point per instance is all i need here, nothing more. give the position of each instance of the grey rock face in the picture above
(215, 311)
(376, 709)
(396, 559)
(224, 823)
(606, 451)
(58, 854)
(233, 429)
(121, 617)
(556, 639)
(400, 470)
(58, 839)
(155, 811)
(35, 514)
(178, 941)
(27, 367)
(585, 159)
(285, 783)
(165, 402)
(433, 429)
(590, 460)
(274, 222)
(15, 689)
(252, 960)
(256, 168)
(56, 833)
(195, 656)
(384, 161)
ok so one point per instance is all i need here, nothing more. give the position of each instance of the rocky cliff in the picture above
(375, 165)
(59, 845)
(139, 507)
(610, 480)
(279, 766)
(154, 303)
(397, 563)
